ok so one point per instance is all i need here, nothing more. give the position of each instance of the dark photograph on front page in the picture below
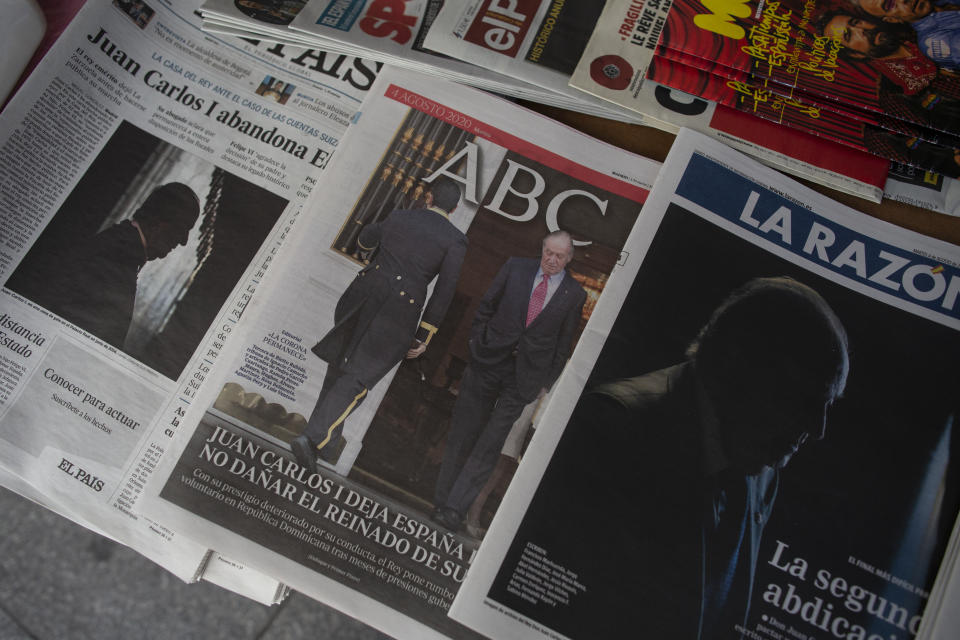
(146, 248)
(759, 452)
(461, 317)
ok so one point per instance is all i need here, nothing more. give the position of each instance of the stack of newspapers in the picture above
(391, 33)
(284, 317)
(792, 98)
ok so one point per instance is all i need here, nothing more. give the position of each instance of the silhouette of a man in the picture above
(93, 284)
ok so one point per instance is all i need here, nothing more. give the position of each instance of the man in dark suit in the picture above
(377, 321)
(93, 282)
(520, 340)
(686, 460)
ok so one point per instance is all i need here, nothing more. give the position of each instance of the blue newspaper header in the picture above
(341, 14)
(909, 276)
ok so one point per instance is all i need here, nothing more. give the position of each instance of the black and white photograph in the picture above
(146, 248)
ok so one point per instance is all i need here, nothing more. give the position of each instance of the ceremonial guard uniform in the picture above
(376, 319)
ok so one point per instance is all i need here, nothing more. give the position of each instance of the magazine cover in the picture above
(908, 146)
(620, 49)
(891, 119)
(764, 448)
(880, 56)
(613, 67)
(361, 434)
(795, 93)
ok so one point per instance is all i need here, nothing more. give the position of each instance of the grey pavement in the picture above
(59, 580)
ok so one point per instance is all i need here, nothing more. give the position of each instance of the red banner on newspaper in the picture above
(519, 145)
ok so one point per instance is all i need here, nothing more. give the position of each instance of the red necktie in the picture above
(536, 300)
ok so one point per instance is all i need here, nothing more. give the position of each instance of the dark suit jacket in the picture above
(376, 317)
(499, 330)
(625, 505)
(92, 284)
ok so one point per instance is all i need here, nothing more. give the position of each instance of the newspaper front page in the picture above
(149, 173)
(765, 446)
(437, 182)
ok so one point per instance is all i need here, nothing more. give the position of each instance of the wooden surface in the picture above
(655, 144)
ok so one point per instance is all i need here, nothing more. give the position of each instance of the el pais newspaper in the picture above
(150, 173)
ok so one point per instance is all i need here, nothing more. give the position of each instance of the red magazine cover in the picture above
(904, 113)
(794, 143)
(888, 144)
(797, 93)
(824, 108)
(888, 56)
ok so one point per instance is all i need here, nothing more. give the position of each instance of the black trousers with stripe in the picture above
(340, 394)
